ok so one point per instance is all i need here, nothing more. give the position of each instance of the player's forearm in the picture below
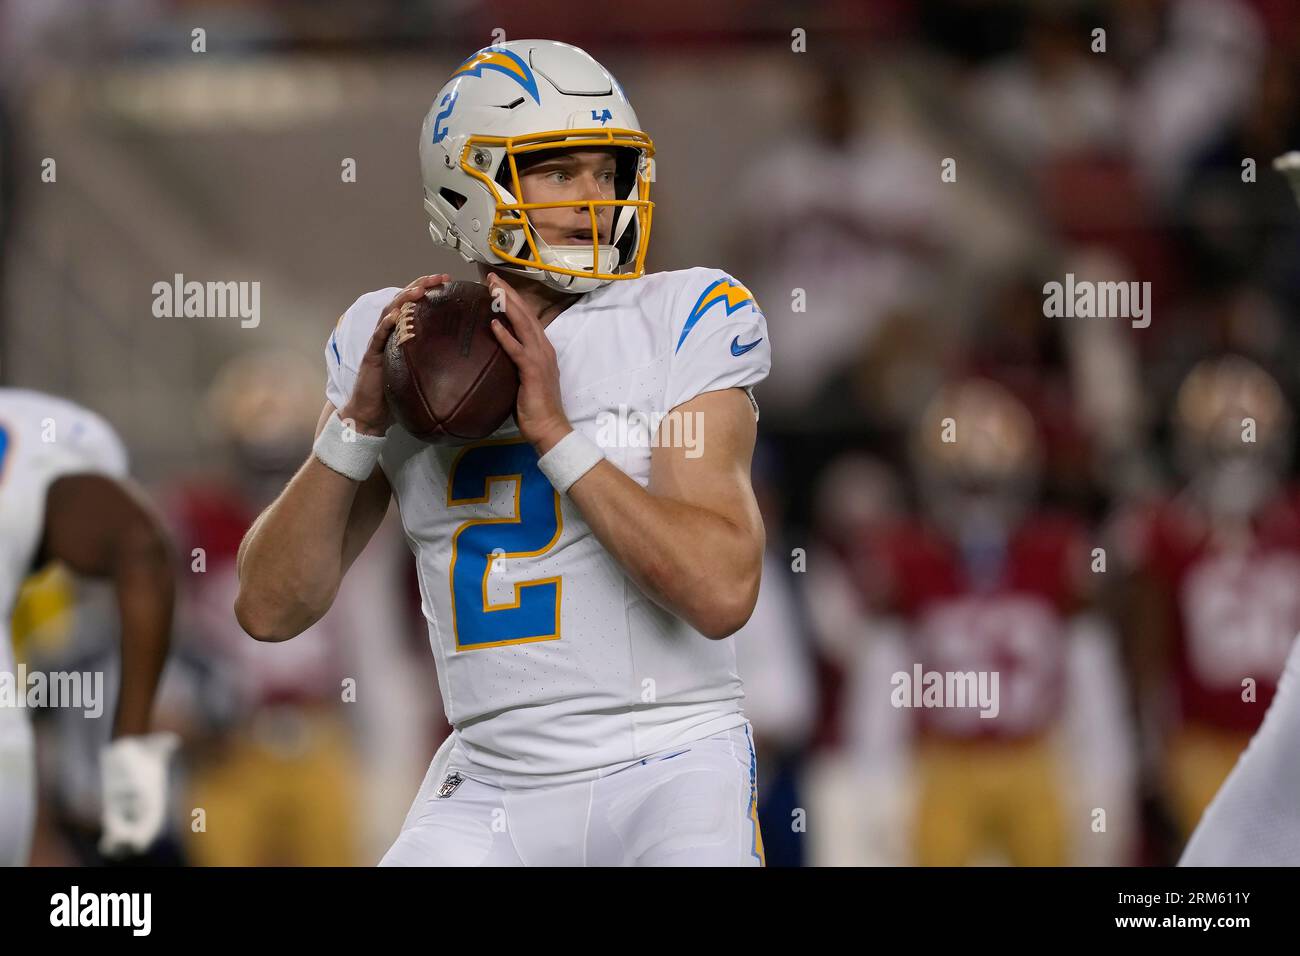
(689, 560)
(145, 584)
(291, 561)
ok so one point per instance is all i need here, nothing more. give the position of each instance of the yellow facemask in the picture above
(475, 160)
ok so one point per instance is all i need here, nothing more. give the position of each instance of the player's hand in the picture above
(134, 771)
(366, 407)
(539, 412)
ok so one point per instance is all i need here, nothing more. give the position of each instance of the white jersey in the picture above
(551, 662)
(42, 438)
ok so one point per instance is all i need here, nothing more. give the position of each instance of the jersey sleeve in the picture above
(719, 338)
(347, 343)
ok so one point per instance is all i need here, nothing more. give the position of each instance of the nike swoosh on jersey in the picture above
(738, 349)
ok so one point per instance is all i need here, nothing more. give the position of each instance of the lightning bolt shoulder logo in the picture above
(505, 62)
(725, 290)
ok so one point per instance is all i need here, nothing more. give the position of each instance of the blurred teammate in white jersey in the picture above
(65, 496)
(579, 579)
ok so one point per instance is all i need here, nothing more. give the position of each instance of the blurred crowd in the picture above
(1115, 532)
(1103, 514)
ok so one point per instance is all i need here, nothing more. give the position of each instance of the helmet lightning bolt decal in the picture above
(728, 291)
(503, 61)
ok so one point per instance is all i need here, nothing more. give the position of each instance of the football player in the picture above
(278, 791)
(1216, 591)
(985, 582)
(1254, 819)
(578, 593)
(65, 496)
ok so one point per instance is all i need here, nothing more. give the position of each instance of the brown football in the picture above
(446, 378)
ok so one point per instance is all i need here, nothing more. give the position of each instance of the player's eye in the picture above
(559, 176)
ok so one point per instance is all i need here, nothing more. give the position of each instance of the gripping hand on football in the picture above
(539, 412)
(366, 408)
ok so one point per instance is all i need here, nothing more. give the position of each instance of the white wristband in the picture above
(572, 457)
(347, 451)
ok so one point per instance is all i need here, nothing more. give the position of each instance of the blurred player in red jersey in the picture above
(1215, 600)
(985, 583)
(284, 784)
(1254, 819)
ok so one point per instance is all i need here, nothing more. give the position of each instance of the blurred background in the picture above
(1112, 544)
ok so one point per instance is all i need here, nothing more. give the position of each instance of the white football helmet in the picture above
(1233, 434)
(516, 98)
(978, 458)
(992, 441)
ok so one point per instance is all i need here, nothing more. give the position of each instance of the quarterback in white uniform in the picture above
(581, 569)
(64, 496)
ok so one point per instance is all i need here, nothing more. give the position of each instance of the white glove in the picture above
(134, 773)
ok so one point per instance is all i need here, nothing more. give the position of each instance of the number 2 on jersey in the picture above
(531, 531)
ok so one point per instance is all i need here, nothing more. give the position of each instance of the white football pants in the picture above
(17, 789)
(693, 805)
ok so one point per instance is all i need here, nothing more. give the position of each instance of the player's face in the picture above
(565, 177)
